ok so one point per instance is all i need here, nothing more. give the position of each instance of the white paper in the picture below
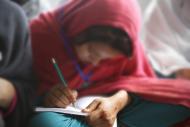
(68, 110)
(80, 104)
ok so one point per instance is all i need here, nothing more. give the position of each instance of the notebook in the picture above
(80, 104)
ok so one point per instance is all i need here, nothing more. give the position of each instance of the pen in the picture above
(60, 74)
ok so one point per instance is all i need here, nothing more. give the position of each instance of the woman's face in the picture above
(94, 52)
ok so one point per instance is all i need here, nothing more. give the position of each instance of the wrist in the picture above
(121, 99)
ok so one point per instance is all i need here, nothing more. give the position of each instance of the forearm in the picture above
(23, 108)
(7, 93)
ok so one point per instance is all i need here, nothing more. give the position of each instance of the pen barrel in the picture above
(60, 75)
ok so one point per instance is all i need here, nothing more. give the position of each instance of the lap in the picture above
(142, 113)
(51, 119)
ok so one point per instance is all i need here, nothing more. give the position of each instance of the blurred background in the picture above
(34, 7)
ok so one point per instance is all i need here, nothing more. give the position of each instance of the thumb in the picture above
(91, 107)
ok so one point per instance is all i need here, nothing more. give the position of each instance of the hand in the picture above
(60, 96)
(183, 73)
(7, 92)
(103, 111)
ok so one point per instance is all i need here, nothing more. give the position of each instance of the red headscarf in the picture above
(132, 74)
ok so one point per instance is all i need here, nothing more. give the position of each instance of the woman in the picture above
(16, 82)
(96, 44)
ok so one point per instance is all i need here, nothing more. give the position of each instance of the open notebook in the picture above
(80, 104)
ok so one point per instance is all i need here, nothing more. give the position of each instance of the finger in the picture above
(59, 99)
(99, 117)
(51, 101)
(63, 98)
(59, 93)
(97, 122)
(91, 107)
(59, 104)
(72, 95)
(102, 124)
(48, 103)
(69, 94)
(60, 96)
(49, 98)
(75, 94)
(95, 115)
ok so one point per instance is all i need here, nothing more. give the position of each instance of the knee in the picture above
(52, 119)
(48, 119)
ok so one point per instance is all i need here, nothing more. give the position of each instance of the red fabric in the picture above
(132, 74)
(185, 123)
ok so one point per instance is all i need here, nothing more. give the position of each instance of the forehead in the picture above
(101, 47)
(98, 44)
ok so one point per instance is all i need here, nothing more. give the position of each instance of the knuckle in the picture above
(104, 112)
(96, 100)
